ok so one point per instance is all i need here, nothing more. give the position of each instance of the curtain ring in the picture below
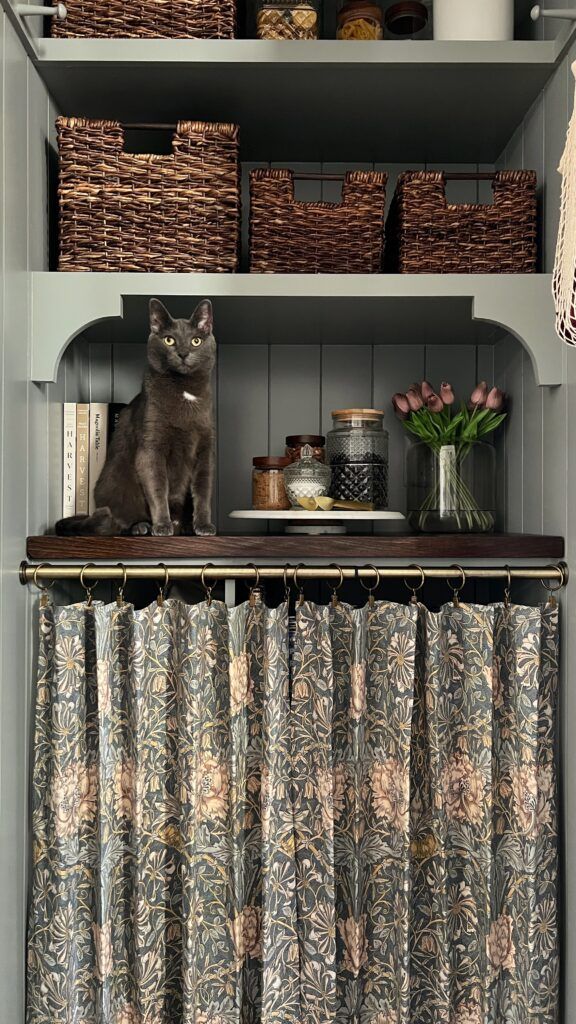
(373, 586)
(43, 588)
(162, 589)
(412, 586)
(87, 588)
(120, 594)
(298, 584)
(207, 588)
(336, 588)
(286, 583)
(256, 585)
(456, 590)
(554, 590)
(508, 587)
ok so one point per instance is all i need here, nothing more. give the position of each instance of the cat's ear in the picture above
(202, 318)
(160, 318)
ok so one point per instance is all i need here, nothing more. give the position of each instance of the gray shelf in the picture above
(302, 308)
(407, 101)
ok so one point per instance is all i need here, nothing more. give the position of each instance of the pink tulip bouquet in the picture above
(450, 433)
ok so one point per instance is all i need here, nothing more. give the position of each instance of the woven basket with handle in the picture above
(288, 236)
(141, 212)
(427, 235)
(148, 19)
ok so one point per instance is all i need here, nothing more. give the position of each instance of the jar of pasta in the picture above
(268, 490)
(359, 19)
(277, 19)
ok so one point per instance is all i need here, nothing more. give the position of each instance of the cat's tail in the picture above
(101, 522)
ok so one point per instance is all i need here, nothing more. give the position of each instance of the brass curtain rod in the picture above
(30, 572)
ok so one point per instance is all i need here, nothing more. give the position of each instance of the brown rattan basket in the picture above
(427, 235)
(148, 19)
(292, 237)
(139, 212)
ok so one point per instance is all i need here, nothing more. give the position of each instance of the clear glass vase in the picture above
(452, 488)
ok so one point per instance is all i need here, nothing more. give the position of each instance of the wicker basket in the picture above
(138, 212)
(148, 19)
(291, 237)
(427, 235)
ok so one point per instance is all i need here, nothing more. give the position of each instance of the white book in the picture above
(98, 444)
(82, 416)
(69, 459)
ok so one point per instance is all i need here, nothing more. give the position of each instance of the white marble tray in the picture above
(318, 516)
(317, 522)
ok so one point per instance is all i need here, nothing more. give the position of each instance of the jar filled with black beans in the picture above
(357, 451)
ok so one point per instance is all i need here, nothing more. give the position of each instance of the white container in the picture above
(473, 19)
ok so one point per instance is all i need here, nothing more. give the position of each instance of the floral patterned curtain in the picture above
(361, 829)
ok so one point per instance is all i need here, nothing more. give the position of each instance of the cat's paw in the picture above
(141, 529)
(204, 529)
(162, 530)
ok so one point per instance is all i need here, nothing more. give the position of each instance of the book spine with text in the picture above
(69, 459)
(82, 465)
(98, 445)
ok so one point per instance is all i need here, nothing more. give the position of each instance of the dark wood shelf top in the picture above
(411, 547)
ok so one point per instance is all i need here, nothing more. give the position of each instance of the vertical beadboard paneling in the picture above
(243, 429)
(395, 368)
(555, 120)
(532, 442)
(295, 393)
(346, 380)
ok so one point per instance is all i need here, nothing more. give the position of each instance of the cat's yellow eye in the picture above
(196, 342)
(169, 342)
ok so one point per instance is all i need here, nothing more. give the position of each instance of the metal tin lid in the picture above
(270, 461)
(297, 440)
(357, 414)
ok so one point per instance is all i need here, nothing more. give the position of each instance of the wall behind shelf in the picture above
(265, 392)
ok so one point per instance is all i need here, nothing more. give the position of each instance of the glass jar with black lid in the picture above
(357, 451)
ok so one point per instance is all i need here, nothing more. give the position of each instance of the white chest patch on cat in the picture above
(189, 397)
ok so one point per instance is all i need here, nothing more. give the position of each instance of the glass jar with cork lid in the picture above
(357, 451)
(360, 19)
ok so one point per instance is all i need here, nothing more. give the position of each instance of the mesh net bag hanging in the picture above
(564, 278)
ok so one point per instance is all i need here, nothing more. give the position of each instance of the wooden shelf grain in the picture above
(408, 547)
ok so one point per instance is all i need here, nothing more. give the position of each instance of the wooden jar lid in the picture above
(406, 18)
(359, 414)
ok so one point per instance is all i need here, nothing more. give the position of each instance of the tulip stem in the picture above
(450, 486)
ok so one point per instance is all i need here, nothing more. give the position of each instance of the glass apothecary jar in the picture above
(306, 477)
(268, 488)
(357, 451)
(451, 489)
(359, 19)
(283, 20)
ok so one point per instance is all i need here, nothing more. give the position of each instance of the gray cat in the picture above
(162, 450)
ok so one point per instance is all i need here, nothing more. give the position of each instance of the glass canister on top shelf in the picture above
(357, 451)
(306, 477)
(359, 19)
(276, 19)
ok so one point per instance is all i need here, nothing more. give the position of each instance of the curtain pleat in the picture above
(364, 832)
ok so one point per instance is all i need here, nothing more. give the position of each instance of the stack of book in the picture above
(87, 430)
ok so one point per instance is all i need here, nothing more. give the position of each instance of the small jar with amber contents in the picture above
(268, 490)
(360, 19)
